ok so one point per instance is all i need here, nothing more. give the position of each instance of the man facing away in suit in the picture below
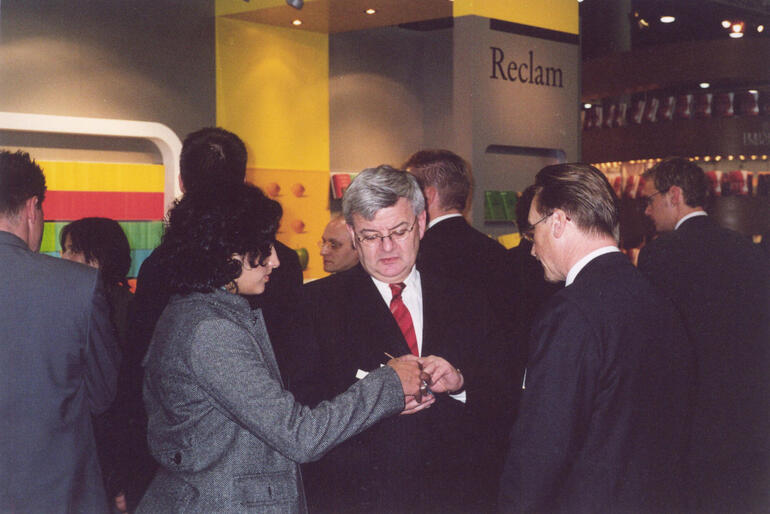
(59, 359)
(720, 283)
(337, 248)
(385, 305)
(603, 420)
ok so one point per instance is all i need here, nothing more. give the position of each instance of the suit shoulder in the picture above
(55, 268)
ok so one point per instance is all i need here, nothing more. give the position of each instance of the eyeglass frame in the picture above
(648, 199)
(393, 235)
(529, 234)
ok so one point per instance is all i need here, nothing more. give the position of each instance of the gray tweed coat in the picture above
(226, 433)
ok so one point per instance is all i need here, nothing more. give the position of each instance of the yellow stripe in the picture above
(102, 176)
(561, 15)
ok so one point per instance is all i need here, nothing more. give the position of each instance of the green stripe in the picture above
(142, 235)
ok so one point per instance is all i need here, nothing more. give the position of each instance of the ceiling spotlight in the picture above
(667, 19)
(753, 91)
(297, 4)
(726, 24)
(587, 106)
(297, 22)
(643, 23)
(704, 85)
(736, 35)
(738, 27)
(370, 11)
(760, 28)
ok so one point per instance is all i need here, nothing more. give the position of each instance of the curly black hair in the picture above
(101, 240)
(206, 228)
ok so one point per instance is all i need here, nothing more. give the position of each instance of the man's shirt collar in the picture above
(579, 265)
(691, 215)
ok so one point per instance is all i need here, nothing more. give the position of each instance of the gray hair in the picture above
(378, 188)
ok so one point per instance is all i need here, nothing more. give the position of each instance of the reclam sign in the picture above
(525, 72)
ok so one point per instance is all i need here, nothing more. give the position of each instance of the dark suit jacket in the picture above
(603, 420)
(459, 252)
(416, 462)
(226, 433)
(58, 365)
(720, 282)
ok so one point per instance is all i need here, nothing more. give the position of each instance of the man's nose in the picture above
(387, 243)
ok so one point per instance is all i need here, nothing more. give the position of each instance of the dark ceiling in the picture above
(610, 26)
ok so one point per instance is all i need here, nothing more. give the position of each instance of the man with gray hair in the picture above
(603, 420)
(385, 306)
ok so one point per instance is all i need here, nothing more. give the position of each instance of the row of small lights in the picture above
(706, 158)
(297, 22)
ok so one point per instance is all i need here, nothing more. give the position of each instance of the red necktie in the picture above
(403, 318)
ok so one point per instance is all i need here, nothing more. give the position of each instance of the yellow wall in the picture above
(273, 91)
(561, 15)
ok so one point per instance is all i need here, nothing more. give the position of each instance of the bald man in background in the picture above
(337, 248)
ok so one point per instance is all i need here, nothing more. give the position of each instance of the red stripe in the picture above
(73, 205)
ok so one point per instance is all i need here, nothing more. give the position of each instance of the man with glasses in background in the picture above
(385, 306)
(720, 283)
(603, 419)
(336, 246)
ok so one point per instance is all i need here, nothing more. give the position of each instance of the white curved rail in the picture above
(161, 136)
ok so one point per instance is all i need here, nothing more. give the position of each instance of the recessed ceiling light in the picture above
(370, 11)
(704, 85)
(667, 19)
(726, 24)
(737, 27)
(753, 91)
(587, 106)
(760, 28)
(297, 22)
(736, 35)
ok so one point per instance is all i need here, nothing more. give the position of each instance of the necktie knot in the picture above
(397, 289)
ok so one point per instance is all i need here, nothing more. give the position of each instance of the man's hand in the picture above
(445, 378)
(412, 405)
(409, 372)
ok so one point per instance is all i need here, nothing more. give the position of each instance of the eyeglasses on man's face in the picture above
(529, 234)
(398, 234)
(648, 199)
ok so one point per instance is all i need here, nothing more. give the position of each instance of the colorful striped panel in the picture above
(73, 205)
(142, 235)
(101, 176)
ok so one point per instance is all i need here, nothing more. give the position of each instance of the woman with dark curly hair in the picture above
(227, 435)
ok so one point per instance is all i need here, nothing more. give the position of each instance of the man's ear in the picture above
(559, 220)
(431, 196)
(675, 196)
(421, 222)
(352, 233)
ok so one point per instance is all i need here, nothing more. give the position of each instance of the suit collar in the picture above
(692, 215)
(8, 238)
(445, 217)
(599, 265)
(579, 265)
